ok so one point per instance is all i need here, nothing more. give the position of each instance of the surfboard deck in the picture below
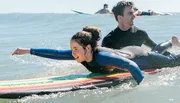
(20, 88)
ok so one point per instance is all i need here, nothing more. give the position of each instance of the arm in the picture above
(110, 59)
(98, 12)
(46, 53)
(109, 12)
(148, 42)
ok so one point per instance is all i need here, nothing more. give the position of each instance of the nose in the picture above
(134, 15)
(73, 54)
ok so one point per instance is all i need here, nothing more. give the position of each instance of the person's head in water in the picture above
(105, 6)
(124, 12)
(84, 43)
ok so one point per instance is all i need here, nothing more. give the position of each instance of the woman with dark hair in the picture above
(98, 59)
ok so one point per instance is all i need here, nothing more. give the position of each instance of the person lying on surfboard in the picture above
(97, 59)
(104, 10)
(126, 33)
(148, 13)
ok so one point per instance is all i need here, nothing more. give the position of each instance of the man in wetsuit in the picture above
(126, 34)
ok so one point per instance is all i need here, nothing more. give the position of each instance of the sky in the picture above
(88, 6)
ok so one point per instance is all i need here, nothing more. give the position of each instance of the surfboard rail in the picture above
(40, 86)
(80, 12)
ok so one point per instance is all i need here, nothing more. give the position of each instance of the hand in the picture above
(21, 51)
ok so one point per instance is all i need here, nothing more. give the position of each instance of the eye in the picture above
(131, 13)
(74, 49)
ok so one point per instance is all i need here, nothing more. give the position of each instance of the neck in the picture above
(89, 57)
(123, 27)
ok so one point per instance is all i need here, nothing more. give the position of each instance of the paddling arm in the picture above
(52, 53)
(111, 59)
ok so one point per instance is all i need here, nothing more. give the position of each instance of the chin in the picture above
(79, 61)
(131, 24)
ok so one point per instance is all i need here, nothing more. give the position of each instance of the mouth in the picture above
(132, 22)
(76, 58)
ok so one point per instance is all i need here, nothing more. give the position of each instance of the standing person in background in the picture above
(105, 10)
(126, 34)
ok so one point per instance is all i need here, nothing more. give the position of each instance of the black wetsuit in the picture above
(118, 39)
(134, 36)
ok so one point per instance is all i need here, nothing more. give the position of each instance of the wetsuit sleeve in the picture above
(148, 42)
(52, 53)
(110, 59)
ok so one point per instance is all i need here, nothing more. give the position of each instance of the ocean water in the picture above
(55, 30)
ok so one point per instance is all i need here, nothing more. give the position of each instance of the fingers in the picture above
(16, 52)
(21, 51)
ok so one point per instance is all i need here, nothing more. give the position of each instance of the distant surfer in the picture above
(105, 10)
(148, 13)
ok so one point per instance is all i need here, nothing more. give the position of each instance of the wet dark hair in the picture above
(105, 5)
(119, 8)
(89, 35)
(94, 30)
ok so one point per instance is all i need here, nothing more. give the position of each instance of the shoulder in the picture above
(108, 11)
(113, 32)
(99, 11)
(110, 39)
(102, 11)
(109, 35)
(105, 52)
(103, 56)
(138, 30)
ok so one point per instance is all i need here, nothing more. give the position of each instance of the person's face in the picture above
(105, 6)
(128, 18)
(78, 52)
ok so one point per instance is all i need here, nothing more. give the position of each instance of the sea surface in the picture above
(50, 30)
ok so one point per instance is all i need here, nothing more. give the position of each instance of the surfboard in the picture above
(80, 12)
(26, 87)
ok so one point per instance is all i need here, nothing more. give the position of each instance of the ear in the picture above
(88, 47)
(119, 17)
